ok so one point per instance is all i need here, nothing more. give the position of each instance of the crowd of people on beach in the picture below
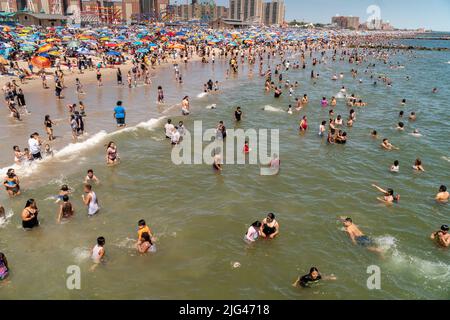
(273, 63)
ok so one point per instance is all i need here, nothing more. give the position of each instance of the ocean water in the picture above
(200, 217)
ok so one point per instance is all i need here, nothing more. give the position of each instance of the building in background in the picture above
(205, 10)
(346, 22)
(246, 10)
(274, 12)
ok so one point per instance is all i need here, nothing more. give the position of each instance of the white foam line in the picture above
(72, 149)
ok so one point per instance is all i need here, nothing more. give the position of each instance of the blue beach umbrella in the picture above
(83, 50)
(113, 53)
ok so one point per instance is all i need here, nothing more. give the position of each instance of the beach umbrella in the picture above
(55, 53)
(41, 62)
(45, 48)
(3, 60)
(113, 53)
(27, 49)
(152, 45)
(142, 50)
(111, 45)
(44, 54)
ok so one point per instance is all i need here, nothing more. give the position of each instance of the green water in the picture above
(200, 217)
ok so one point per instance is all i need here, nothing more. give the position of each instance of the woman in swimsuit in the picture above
(30, 214)
(269, 227)
(11, 183)
(304, 124)
(48, 123)
(111, 154)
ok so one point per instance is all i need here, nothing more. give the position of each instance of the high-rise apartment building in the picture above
(274, 12)
(346, 22)
(246, 10)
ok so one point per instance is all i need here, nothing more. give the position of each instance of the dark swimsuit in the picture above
(31, 223)
(364, 241)
(268, 230)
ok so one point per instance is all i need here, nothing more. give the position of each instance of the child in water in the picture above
(64, 191)
(98, 252)
(90, 177)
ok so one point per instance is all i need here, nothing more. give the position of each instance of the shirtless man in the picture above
(357, 236)
(442, 237)
(443, 194)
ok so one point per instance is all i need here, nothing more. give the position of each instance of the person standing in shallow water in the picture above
(30, 215)
(119, 114)
(66, 210)
(90, 200)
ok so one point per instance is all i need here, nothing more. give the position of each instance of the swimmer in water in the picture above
(98, 252)
(443, 195)
(2, 213)
(412, 116)
(312, 277)
(66, 210)
(442, 237)
(303, 124)
(401, 126)
(269, 227)
(144, 244)
(374, 134)
(322, 128)
(416, 133)
(387, 145)
(357, 237)
(388, 197)
(48, 152)
(418, 165)
(238, 114)
(11, 183)
(253, 232)
(400, 114)
(90, 177)
(289, 110)
(143, 228)
(395, 167)
(246, 149)
(64, 191)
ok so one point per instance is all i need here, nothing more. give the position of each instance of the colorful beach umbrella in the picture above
(45, 48)
(41, 62)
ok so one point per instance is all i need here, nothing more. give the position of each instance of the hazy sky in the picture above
(432, 14)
